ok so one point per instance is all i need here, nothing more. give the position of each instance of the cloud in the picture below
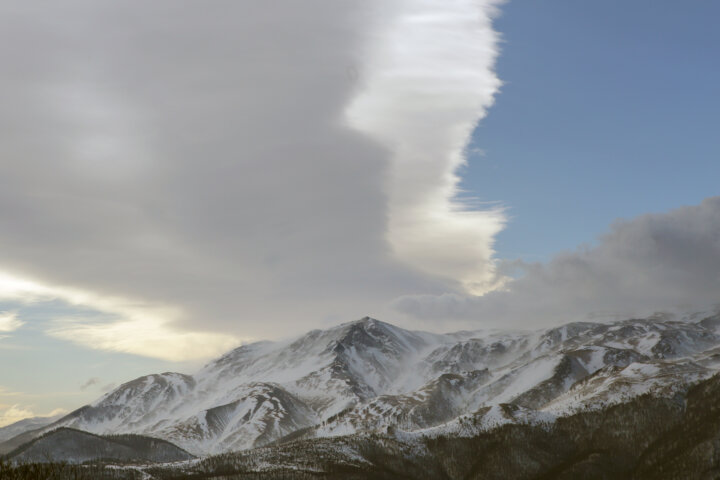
(202, 174)
(9, 322)
(142, 336)
(14, 413)
(89, 383)
(656, 262)
(114, 323)
(95, 382)
(8, 393)
(10, 414)
(429, 80)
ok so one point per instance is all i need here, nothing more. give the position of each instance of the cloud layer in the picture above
(655, 262)
(10, 414)
(250, 168)
(9, 322)
(112, 323)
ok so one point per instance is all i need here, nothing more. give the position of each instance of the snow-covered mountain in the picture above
(372, 376)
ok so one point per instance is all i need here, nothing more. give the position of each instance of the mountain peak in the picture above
(366, 375)
(365, 322)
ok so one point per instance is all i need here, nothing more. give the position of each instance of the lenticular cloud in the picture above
(429, 79)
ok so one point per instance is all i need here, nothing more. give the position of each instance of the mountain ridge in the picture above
(371, 376)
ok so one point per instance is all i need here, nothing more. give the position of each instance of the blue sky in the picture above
(609, 110)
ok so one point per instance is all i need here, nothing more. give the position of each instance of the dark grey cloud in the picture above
(177, 151)
(197, 156)
(656, 262)
(89, 383)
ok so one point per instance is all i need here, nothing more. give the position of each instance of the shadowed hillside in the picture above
(74, 446)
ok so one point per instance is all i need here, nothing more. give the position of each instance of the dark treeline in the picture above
(64, 471)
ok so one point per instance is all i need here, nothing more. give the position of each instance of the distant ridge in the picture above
(75, 446)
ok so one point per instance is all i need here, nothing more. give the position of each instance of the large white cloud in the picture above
(429, 80)
(253, 168)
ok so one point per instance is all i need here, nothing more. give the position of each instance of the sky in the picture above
(177, 180)
(608, 110)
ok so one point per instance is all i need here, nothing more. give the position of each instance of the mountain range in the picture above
(369, 376)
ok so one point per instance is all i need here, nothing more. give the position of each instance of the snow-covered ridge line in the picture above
(368, 375)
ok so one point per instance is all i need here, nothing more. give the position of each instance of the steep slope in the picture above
(262, 392)
(646, 438)
(369, 376)
(134, 405)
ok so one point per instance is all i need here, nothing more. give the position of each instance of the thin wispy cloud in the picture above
(94, 383)
(144, 336)
(9, 322)
(113, 323)
(11, 411)
(10, 414)
(8, 393)
(89, 383)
